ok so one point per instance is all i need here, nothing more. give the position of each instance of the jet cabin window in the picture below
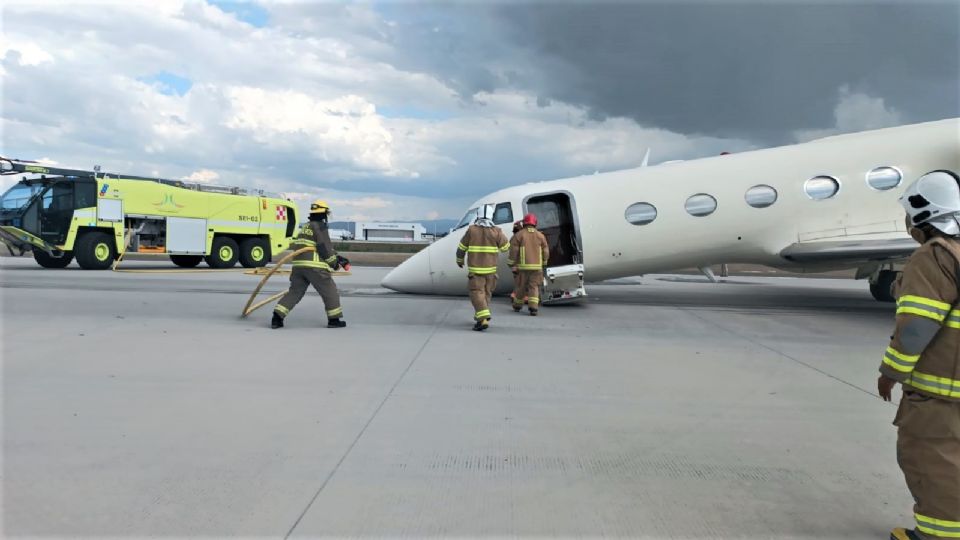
(884, 178)
(503, 214)
(761, 196)
(701, 205)
(640, 213)
(820, 188)
(468, 218)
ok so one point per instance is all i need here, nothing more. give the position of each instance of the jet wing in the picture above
(850, 251)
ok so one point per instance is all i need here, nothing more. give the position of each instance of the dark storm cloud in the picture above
(461, 44)
(756, 70)
(760, 71)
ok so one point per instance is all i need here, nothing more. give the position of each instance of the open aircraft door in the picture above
(563, 277)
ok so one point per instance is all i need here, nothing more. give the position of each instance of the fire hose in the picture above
(248, 308)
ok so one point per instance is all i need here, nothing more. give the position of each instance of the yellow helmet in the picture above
(319, 206)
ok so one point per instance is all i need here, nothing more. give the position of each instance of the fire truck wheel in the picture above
(95, 251)
(49, 261)
(224, 253)
(186, 261)
(254, 252)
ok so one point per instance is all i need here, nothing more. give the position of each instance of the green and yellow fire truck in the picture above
(62, 214)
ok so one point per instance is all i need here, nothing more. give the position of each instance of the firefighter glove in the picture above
(885, 387)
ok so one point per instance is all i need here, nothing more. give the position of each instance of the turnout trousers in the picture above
(528, 288)
(300, 279)
(928, 451)
(481, 290)
(516, 287)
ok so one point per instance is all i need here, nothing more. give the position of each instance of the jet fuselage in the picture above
(735, 231)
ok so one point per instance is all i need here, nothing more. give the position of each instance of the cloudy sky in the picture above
(401, 110)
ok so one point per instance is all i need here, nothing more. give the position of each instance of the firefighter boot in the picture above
(276, 321)
(533, 312)
(482, 325)
(905, 534)
(336, 323)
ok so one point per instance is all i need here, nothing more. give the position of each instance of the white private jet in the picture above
(825, 204)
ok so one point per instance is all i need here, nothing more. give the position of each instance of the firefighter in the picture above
(517, 226)
(481, 245)
(314, 268)
(924, 357)
(528, 257)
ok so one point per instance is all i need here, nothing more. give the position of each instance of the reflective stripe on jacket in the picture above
(928, 303)
(481, 246)
(528, 250)
(314, 234)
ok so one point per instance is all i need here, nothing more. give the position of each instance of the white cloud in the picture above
(861, 112)
(313, 105)
(26, 53)
(203, 176)
(855, 112)
(343, 129)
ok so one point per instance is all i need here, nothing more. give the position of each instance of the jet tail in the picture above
(646, 159)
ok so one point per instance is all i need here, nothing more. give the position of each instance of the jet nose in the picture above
(412, 276)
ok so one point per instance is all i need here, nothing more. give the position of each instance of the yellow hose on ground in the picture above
(248, 308)
(266, 271)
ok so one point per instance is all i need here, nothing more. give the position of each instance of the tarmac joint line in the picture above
(369, 421)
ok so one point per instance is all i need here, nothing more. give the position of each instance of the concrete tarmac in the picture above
(665, 407)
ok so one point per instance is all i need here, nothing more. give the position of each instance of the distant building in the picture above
(390, 232)
(340, 234)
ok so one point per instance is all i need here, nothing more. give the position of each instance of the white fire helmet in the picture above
(934, 198)
(486, 212)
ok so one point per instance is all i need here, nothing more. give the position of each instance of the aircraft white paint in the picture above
(858, 227)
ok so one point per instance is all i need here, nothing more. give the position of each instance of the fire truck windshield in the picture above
(18, 195)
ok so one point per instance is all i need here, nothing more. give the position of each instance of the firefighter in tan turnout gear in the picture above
(481, 245)
(517, 225)
(529, 254)
(314, 268)
(924, 357)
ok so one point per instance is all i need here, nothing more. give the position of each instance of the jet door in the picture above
(557, 221)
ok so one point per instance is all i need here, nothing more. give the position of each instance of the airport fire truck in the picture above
(61, 214)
